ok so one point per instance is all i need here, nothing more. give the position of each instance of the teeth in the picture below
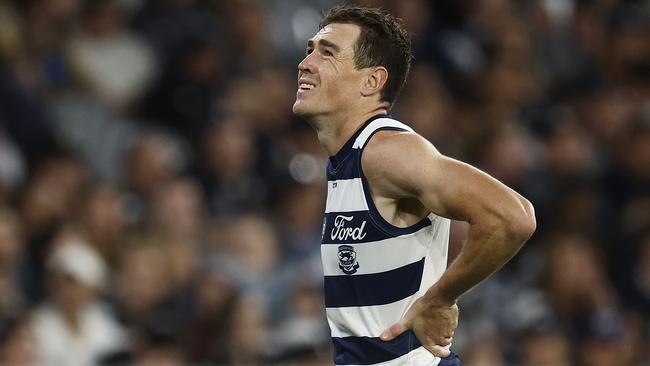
(306, 86)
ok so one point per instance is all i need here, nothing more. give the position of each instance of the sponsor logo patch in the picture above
(341, 232)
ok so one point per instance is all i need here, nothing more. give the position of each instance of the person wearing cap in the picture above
(72, 327)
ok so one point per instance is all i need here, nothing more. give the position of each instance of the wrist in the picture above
(434, 297)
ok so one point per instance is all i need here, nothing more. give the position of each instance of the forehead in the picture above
(342, 34)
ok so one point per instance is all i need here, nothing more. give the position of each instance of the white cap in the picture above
(81, 262)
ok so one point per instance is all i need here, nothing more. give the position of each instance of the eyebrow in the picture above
(324, 43)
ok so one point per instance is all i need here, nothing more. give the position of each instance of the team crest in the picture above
(348, 259)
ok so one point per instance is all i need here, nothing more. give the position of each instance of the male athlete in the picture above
(389, 297)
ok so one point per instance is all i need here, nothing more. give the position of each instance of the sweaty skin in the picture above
(409, 178)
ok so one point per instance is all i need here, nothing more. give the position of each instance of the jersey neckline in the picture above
(343, 153)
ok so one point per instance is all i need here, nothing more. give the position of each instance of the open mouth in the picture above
(304, 86)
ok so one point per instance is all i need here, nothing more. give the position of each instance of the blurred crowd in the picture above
(161, 205)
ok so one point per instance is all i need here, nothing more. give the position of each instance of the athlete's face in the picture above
(328, 81)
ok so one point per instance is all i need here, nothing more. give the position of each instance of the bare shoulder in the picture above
(388, 150)
(400, 164)
(391, 160)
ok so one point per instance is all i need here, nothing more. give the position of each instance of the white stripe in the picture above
(380, 256)
(436, 262)
(367, 321)
(418, 357)
(345, 195)
(373, 126)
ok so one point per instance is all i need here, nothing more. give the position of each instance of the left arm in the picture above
(500, 223)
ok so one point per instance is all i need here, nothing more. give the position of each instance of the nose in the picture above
(307, 66)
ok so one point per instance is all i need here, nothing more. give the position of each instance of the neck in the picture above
(71, 317)
(334, 131)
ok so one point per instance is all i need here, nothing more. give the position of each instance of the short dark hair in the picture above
(383, 41)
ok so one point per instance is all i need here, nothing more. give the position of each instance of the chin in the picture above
(300, 109)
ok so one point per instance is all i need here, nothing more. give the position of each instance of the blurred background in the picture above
(161, 205)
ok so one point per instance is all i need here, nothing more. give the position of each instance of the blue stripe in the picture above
(451, 360)
(345, 228)
(373, 289)
(349, 165)
(346, 169)
(342, 154)
(367, 350)
(374, 229)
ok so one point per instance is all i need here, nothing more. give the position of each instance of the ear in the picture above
(374, 81)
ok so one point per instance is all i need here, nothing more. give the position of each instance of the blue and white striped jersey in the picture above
(374, 271)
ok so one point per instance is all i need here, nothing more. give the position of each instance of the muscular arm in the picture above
(402, 165)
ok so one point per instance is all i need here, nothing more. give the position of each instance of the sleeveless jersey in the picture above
(375, 271)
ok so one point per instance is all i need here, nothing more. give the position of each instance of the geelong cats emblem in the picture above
(348, 259)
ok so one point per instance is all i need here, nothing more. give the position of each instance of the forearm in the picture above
(488, 247)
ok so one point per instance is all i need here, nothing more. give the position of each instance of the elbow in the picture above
(513, 224)
(522, 222)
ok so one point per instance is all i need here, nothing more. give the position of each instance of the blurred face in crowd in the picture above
(546, 350)
(154, 355)
(254, 242)
(247, 320)
(141, 282)
(229, 149)
(177, 207)
(11, 243)
(104, 219)
(149, 163)
(328, 81)
(68, 293)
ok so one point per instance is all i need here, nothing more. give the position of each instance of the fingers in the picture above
(446, 341)
(439, 351)
(441, 346)
(392, 332)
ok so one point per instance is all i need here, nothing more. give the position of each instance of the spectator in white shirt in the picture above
(72, 327)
